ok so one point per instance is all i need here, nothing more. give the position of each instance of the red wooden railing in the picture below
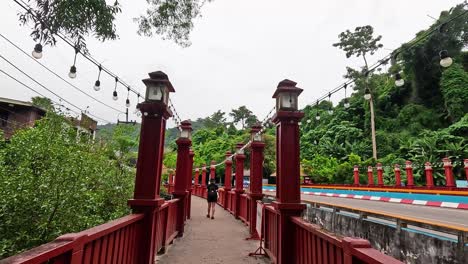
(270, 225)
(316, 246)
(222, 197)
(244, 208)
(113, 242)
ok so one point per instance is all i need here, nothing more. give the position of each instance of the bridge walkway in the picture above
(207, 241)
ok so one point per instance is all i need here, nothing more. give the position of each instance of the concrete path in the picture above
(207, 241)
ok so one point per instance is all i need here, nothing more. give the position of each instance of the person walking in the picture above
(212, 198)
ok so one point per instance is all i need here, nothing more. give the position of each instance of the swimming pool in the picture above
(412, 196)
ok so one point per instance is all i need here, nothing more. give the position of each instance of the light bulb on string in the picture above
(346, 101)
(127, 102)
(308, 121)
(445, 60)
(97, 84)
(72, 73)
(114, 94)
(317, 117)
(398, 80)
(37, 52)
(367, 94)
(330, 110)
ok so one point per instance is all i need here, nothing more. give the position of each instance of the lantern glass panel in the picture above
(186, 133)
(286, 101)
(155, 92)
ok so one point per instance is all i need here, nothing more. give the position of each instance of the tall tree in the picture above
(361, 42)
(241, 115)
(215, 120)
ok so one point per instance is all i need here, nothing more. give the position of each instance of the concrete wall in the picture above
(407, 246)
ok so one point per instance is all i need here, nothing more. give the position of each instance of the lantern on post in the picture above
(465, 162)
(397, 175)
(240, 157)
(146, 199)
(158, 88)
(449, 180)
(181, 187)
(288, 196)
(256, 174)
(409, 174)
(429, 176)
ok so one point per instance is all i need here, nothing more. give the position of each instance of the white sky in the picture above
(241, 50)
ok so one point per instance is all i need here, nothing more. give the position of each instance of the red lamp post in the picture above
(370, 176)
(227, 178)
(240, 157)
(203, 184)
(380, 182)
(213, 170)
(180, 189)
(397, 175)
(146, 197)
(429, 177)
(256, 174)
(288, 196)
(356, 175)
(449, 180)
(409, 174)
(189, 182)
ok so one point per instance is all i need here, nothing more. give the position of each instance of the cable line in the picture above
(58, 76)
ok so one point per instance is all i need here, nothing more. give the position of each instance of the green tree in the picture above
(43, 102)
(454, 84)
(361, 42)
(243, 115)
(55, 183)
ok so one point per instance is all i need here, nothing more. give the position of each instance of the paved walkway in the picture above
(207, 241)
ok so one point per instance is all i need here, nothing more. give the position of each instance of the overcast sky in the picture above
(241, 50)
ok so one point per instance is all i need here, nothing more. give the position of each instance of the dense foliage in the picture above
(55, 181)
(424, 120)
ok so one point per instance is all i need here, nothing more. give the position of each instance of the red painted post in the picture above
(429, 177)
(203, 178)
(189, 183)
(465, 162)
(288, 202)
(409, 174)
(356, 175)
(213, 170)
(256, 175)
(240, 157)
(197, 180)
(380, 182)
(449, 180)
(180, 189)
(146, 197)
(370, 176)
(227, 177)
(397, 175)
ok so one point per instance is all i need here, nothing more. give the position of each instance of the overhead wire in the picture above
(41, 94)
(58, 76)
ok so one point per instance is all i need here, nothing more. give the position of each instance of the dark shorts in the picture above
(212, 197)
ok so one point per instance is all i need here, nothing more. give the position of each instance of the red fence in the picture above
(316, 246)
(112, 242)
(244, 208)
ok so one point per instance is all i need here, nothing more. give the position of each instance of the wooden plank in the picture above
(96, 251)
(102, 257)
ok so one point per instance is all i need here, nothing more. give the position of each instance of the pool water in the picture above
(399, 195)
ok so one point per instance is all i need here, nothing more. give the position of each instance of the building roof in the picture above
(22, 103)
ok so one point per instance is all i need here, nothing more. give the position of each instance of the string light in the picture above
(114, 94)
(346, 101)
(367, 94)
(445, 60)
(330, 110)
(72, 73)
(317, 116)
(398, 80)
(127, 102)
(97, 84)
(37, 52)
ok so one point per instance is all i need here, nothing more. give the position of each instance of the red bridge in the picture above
(156, 223)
